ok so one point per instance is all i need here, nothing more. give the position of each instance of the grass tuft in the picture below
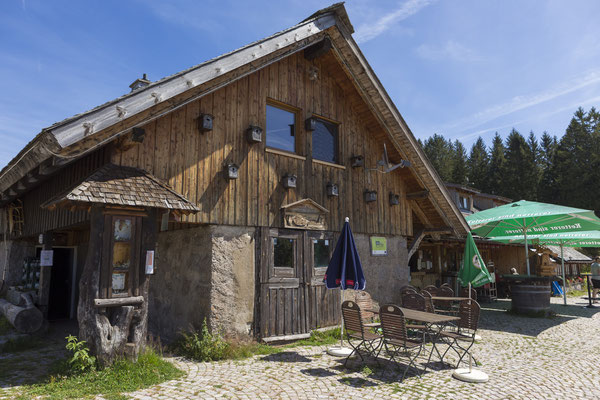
(122, 376)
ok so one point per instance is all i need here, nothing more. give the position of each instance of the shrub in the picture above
(81, 360)
(201, 346)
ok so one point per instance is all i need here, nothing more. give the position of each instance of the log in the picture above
(120, 301)
(26, 319)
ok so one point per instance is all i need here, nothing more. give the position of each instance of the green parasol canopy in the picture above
(529, 218)
(562, 239)
(473, 270)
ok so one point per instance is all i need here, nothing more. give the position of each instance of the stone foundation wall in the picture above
(203, 272)
(385, 275)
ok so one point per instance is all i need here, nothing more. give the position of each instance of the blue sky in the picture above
(458, 68)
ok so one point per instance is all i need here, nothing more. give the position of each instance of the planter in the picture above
(530, 294)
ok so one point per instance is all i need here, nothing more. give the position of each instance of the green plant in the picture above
(81, 360)
(201, 346)
(123, 376)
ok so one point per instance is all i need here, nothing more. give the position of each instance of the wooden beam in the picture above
(46, 168)
(423, 194)
(31, 178)
(119, 301)
(318, 49)
(415, 244)
(420, 214)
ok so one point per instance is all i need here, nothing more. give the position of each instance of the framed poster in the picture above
(378, 246)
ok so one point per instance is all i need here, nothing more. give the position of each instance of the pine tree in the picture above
(440, 153)
(546, 185)
(459, 170)
(532, 172)
(495, 181)
(478, 165)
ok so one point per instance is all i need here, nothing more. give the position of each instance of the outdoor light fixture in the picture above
(254, 134)
(205, 123)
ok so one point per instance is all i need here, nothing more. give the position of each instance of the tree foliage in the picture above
(563, 171)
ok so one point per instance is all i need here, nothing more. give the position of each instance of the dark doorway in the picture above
(61, 279)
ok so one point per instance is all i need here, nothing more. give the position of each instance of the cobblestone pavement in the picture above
(525, 358)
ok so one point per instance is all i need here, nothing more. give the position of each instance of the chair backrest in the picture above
(414, 301)
(445, 284)
(428, 301)
(431, 289)
(352, 316)
(365, 302)
(468, 311)
(393, 324)
(445, 291)
(406, 289)
(464, 292)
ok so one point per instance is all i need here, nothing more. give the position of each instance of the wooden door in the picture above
(292, 296)
(323, 304)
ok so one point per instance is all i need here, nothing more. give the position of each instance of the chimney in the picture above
(139, 83)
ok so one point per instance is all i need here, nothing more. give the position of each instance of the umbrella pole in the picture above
(342, 328)
(526, 252)
(562, 262)
(470, 357)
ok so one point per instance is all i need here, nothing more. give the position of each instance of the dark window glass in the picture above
(283, 252)
(321, 249)
(325, 142)
(281, 129)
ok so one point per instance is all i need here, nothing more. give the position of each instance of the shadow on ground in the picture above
(496, 317)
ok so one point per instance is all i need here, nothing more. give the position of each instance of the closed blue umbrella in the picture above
(345, 272)
(344, 269)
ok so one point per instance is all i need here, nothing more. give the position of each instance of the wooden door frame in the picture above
(72, 302)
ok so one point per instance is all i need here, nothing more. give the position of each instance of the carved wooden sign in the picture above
(304, 214)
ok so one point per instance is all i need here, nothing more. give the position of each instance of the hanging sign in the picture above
(150, 262)
(46, 258)
(378, 246)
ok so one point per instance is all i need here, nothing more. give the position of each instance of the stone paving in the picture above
(525, 358)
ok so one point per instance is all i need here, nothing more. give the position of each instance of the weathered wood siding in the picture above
(37, 219)
(192, 163)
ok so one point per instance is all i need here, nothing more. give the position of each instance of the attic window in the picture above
(325, 141)
(281, 128)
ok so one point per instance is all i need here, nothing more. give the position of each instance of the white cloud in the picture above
(368, 31)
(451, 50)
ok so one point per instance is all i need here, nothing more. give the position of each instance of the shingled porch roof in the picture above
(124, 186)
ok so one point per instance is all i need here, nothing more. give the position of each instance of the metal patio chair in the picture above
(468, 311)
(396, 341)
(368, 342)
(407, 289)
(428, 301)
(431, 289)
(445, 306)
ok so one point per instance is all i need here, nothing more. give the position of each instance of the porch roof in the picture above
(125, 186)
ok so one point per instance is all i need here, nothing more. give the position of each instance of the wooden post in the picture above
(121, 330)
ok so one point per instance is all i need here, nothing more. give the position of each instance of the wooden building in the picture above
(218, 192)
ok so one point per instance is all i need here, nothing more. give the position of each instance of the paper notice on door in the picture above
(46, 258)
(149, 262)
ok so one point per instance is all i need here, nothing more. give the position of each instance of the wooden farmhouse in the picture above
(218, 193)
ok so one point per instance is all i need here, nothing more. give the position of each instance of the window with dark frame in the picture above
(283, 252)
(281, 128)
(325, 141)
(321, 252)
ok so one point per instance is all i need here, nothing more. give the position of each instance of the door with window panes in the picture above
(292, 296)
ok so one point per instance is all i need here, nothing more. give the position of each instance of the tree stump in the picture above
(112, 332)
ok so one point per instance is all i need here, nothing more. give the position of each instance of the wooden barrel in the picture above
(531, 298)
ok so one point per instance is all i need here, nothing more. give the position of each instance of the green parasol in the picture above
(562, 239)
(524, 218)
(473, 271)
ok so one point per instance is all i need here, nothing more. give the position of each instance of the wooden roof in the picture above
(74, 137)
(124, 186)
